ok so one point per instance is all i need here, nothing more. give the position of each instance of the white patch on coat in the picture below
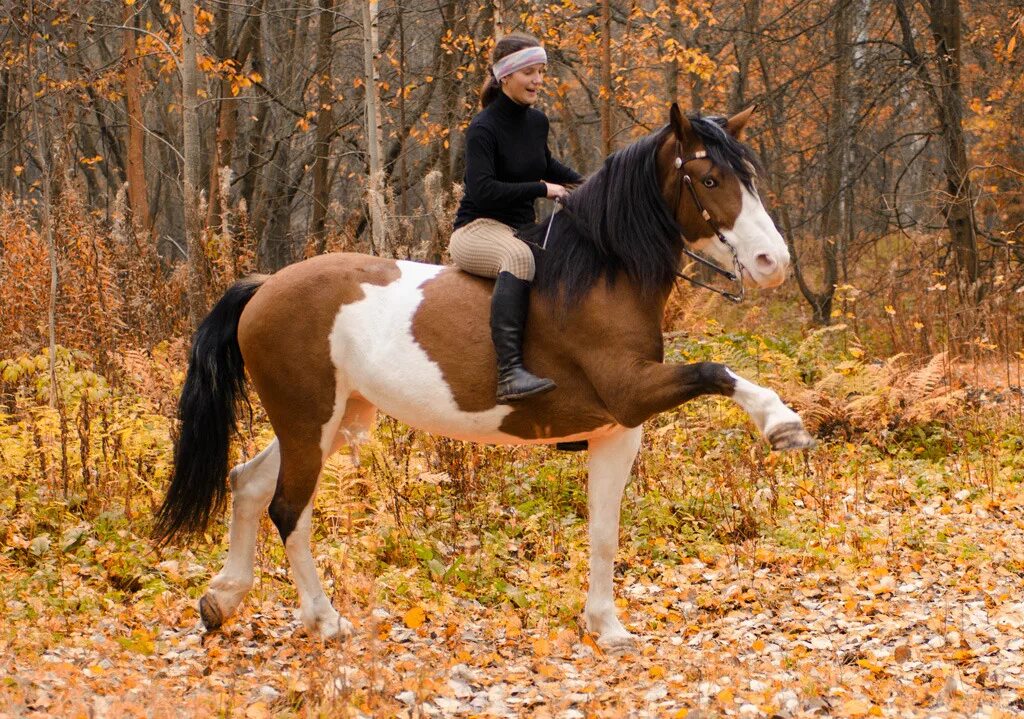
(376, 355)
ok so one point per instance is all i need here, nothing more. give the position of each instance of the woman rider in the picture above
(508, 166)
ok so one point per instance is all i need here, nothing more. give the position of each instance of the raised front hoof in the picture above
(789, 436)
(210, 613)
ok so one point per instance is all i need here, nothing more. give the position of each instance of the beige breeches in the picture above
(486, 247)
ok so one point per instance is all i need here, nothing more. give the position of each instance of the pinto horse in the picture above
(330, 341)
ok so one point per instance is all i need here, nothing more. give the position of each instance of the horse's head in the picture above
(707, 177)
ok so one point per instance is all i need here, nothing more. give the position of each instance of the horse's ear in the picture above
(735, 124)
(680, 125)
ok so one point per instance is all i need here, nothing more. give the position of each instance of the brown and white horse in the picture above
(331, 341)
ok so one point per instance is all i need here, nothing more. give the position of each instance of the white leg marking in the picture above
(780, 425)
(611, 459)
(315, 608)
(252, 488)
(762, 404)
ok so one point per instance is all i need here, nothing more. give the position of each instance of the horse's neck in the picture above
(615, 313)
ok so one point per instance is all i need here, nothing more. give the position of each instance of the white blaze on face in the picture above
(759, 246)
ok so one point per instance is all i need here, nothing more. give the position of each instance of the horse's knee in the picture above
(285, 513)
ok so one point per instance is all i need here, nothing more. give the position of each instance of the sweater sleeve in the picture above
(557, 172)
(481, 177)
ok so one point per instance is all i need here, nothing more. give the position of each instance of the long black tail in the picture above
(213, 385)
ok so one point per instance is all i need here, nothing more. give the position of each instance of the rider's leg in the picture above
(491, 249)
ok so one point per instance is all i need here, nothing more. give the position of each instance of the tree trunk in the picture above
(375, 191)
(744, 45)
(324, 122)
(946, 25)
(675, 33)
(138, 198)
(820, 302)
(946, 96)
(191, 169)
(498, 17)
(606, 77)
(43, 144)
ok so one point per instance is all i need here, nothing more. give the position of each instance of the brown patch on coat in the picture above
(606, 356)
(283, 334)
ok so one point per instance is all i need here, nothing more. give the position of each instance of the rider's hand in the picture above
(556, 192)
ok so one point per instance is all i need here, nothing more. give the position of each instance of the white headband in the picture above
(518, 60)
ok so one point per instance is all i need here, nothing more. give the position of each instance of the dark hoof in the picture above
(791, 435)
(210, 613)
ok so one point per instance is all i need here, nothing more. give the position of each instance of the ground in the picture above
(876, 575)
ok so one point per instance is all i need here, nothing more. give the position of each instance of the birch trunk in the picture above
(373, 125)
(191, 170)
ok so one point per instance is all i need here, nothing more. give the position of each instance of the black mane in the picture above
(618, 221)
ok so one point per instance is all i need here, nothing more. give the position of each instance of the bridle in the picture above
(734, 275)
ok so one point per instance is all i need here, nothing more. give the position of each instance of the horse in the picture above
(330, 341)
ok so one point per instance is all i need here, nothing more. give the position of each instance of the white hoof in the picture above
(618, 642)
(329, 626)
(611, 635)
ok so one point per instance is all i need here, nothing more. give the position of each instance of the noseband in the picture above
(734, 275)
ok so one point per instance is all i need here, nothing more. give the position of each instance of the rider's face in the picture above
(524, 85)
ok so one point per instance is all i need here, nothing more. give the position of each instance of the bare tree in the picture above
(946, 96)
(191, 170)
(324, 122)
(138, 198)
(373, 122)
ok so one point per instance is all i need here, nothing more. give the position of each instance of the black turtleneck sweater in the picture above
(507, 156)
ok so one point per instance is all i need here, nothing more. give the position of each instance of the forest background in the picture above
(152, 152)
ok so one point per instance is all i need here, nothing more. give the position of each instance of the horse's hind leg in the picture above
(355, 427)
(291, 510)
(611, 459)
(252, 486)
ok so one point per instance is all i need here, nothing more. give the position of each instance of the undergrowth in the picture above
(425, 518)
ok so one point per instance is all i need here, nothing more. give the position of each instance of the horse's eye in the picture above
(710, 182)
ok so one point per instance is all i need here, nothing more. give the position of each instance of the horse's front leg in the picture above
(648, 388)
(611, 459)
(780, 425)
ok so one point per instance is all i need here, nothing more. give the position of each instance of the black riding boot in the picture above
(509, 307)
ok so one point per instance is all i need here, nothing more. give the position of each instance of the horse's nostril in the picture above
(765, 262)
